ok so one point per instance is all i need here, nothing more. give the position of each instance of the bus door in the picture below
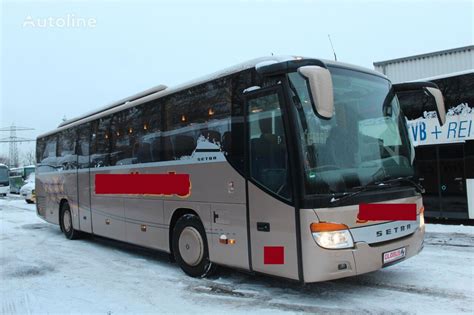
(271, 214)
(83, 180)
(452, 181)
(428, 174)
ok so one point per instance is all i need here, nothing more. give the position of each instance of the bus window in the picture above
(268, 154)
(46, 155)
(82, 148)
(66, 152)
(102, 138)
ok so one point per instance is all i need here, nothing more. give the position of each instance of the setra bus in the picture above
(294, 167)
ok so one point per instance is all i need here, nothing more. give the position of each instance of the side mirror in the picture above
(440, 107)
(429, 88)
(321, 91)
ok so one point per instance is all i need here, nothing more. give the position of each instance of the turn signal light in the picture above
(327, 227)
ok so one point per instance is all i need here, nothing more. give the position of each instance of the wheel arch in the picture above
(178, 213)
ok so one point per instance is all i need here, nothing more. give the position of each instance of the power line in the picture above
(13, 141)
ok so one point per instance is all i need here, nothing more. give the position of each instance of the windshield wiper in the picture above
(356, 190)
(377, 183)
(407, 179)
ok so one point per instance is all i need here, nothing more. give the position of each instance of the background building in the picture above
(427, 65)
(444, 155)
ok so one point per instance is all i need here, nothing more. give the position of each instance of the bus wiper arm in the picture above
(378, 183)
(358, 190)
(409, 180)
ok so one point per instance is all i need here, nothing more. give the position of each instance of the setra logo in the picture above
(394, 230)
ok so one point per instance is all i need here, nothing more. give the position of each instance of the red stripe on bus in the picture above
(143, 184)
(273, 255)
(387, 211)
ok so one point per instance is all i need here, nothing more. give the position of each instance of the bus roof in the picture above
(163, 90)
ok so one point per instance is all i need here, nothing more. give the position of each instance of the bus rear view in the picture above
(294, 167)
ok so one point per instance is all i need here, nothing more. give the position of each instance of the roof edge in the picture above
(413, 57)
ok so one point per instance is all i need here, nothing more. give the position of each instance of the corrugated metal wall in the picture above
(427, 65)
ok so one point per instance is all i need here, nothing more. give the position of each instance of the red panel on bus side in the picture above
(273, 255)
(387, 211)
(143, 184)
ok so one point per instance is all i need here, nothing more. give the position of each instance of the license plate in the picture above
(394, 255)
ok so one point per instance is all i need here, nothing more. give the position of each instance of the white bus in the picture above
(445, 155)
(294, 167)
(4, 180)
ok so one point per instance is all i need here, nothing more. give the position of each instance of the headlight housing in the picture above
(332, 235)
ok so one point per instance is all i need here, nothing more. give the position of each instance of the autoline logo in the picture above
(67, 21)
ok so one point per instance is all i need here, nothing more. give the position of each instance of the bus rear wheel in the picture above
(190, 247)
(65, 222)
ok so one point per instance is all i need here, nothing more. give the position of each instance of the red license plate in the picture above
(394, 255)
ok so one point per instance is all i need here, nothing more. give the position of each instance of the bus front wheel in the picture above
(66, 222)
(190, 247)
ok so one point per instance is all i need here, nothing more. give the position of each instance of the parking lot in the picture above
(42, 272)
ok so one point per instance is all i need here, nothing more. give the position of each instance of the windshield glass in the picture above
(365, 141)
(3, 174)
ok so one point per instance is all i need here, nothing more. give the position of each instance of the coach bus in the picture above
(445, 155)
(18, 176)
(294, 167)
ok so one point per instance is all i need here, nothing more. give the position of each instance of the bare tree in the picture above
(29, 157)
(4, 160)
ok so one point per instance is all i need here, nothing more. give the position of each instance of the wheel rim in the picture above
(67, 221)
(191, 246)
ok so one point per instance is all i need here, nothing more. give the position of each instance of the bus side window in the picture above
(201, 114)
(102, 143)
(66, 152)
(48, 158)
(147, 145)
(82, 147)
(268, 152)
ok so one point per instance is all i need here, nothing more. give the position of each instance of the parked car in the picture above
(27, 191)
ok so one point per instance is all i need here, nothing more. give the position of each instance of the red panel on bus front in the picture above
(143, 184)
(387, 211)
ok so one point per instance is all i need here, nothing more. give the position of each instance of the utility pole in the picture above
(13, 140)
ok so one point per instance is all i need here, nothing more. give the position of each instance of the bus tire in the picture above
(190, 247)
(65, 222)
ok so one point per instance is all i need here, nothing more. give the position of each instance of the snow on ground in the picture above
(42, 272)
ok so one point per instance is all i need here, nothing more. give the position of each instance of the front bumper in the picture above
(4, 190)
(322, 264)
(27, 195)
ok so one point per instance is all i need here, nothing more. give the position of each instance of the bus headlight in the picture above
(332, 235)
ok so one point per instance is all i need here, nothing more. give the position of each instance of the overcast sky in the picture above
(53, 70)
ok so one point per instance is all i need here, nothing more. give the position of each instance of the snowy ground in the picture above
(42, 272)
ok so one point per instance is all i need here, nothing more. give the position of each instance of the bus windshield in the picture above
(4, 174)
(366, 140)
